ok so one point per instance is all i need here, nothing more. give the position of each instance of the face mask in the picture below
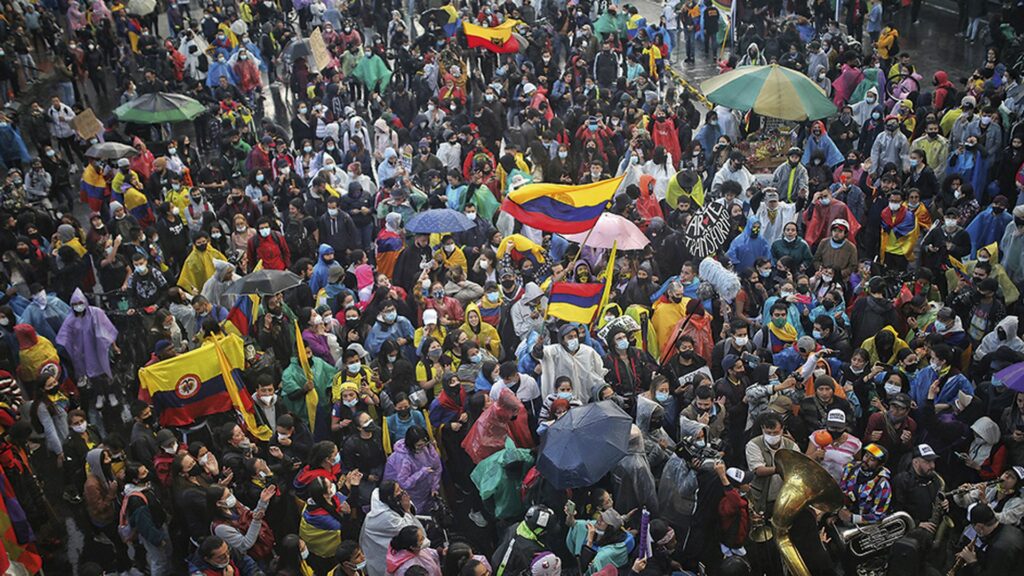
(892, 389)
(307, 149)
(434, 354)
(661, 397)
(40, 298)
(50, 153)
(5, 321)
(230, 501)
(216, 235)
(259, 177)
(935, 366)
(741, 341)
(940, 326)
(332, 212)
(492, 297)
(779, 322)
(565, 395)
(269, 400)
(438, 294)
(304, 553)
(825, 201)
(476, 358)
(894, 206)
(449, 248)
(361, 565)
(876, 115)
(622, 344)
(172, 449)
(986, 120)
(202, 247)
(773, 439)
(390, 317)
(79, 308)
(79, 428)
(572, 344)
(264, 232)
(355, 367)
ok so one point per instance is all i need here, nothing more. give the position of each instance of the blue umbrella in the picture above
(1012, 376)
(437, 221)
(584, 445)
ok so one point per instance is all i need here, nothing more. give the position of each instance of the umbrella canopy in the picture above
(265, 282)
(110, 151)
(1012, 376)
(298, 48)
(774, 91)
(159, 107)
(612, 228)
(140, 7)
(584, 445)
(437, 221)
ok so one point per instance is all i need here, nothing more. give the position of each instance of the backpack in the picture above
(124, 528)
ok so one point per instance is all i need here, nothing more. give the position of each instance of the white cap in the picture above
(528, 88)
(836, 416)
(429, 316)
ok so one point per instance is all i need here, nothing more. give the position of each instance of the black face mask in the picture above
(508, 284)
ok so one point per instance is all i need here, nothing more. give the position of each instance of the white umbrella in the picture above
(140, 7)
(612, 229)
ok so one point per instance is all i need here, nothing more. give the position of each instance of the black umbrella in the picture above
(584, 445)
(265, 282)
(298, 48)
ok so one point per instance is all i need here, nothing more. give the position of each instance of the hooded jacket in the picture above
(634, 482)
(381, 525)
(87, 338)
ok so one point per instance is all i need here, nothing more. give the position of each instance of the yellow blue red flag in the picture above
(561, 208)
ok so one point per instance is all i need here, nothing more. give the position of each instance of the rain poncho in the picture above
(218, 69)
(823, 144)
(46, 316)
(319, 278)
(198, 268)
(216, 287)
(746, 248)
(585, 368)
(36, 354)
(87, 339)
(986, 435)
(993, 341)
(499, 478)
(418, 473)
(483, 334)
(381, 525)
(634, 483)
(489, 431)
(677, 493)
(656, 454)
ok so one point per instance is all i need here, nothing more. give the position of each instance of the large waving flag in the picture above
(451, 25)
(242, 316)
(561, 208)
(498, 39)
(204, 381)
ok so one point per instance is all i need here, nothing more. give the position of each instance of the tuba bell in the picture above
(805, 483)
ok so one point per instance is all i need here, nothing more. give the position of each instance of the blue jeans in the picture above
(690, 41)
(158, 557)
(66, 91)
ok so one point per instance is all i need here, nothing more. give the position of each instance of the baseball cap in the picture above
(806, 344)
(429, 317)
(1019, 471)
(835, 416)
(612, 518)
(979, 513)
(925, 451)
(738, 477)
(901, 399)
(875, 451)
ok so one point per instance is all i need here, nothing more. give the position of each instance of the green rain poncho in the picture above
(498, 478)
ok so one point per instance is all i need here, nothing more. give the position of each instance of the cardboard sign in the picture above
(321, 57)
(86, 124)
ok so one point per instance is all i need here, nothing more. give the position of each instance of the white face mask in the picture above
(773, 439)
(741, 340)
(79, 428)
(230, 501)
(892, 389)
(172, 449)
(269, 400)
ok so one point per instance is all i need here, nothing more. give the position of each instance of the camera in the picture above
(690, 449)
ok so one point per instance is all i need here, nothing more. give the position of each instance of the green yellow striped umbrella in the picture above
(773, 91)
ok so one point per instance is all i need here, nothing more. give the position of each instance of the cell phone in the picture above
(570, 508)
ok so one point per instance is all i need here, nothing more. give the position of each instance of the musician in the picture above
(916, 489)
(998, 549)
(734, 509)
(1006, 499)
(866, 485)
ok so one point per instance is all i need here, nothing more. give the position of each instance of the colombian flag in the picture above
(242, 315)
(15, 532)
(452, 25)
(575, 302)
(560, 208)
(92, 186)
(204, 381)
(498, 39)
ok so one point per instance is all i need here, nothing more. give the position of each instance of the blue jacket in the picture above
(745, 249)
(950, 388)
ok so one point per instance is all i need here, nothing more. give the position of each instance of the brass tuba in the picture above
(805, 483)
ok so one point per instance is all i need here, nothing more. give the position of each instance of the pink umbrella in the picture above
(611, 229)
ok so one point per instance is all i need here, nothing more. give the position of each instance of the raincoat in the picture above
(484, 334)
(657, 455)
(293, 380)
(746, 248)
(217, 286)
(499, 478)
(319, 278)
(419, 473)
(489, 431)
(993, 341)
(381, 525)
(87, 339)
(198, 268)
(634, 482)
(46, 318)
(36, 353)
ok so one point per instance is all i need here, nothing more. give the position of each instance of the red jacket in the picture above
(735, 516)
(272, 250)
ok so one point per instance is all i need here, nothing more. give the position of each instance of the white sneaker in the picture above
(478, 519)
(99, 402)
(113, 400)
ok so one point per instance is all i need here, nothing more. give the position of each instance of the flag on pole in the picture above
(574, 302)
(312, 398)
(498, 39)
(609, 276)
(560, 208)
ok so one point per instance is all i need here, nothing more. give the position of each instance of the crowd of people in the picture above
(865, 296)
